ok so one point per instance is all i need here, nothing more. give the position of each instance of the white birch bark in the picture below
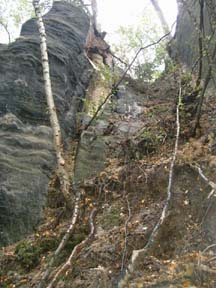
(142, 252)
(94, 13)
(61, 172)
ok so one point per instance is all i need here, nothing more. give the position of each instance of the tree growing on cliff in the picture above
(206, 55)
(57, 139)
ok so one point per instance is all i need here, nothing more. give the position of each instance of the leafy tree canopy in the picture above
(151, 61)
(14, 13)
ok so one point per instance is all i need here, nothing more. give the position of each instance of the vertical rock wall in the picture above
(185, 44)
(26, 152)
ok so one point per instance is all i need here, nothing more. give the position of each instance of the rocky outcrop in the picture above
(186, 41)
(26, 154)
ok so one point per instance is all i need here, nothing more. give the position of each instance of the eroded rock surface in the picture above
(26, 153)
(186, 40)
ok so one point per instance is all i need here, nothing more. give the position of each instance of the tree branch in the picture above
(209, 182)
(77, 249)
(62, 243)
(117, 58)
(121, 79)
(163, 21)
(201, 31)
(202, 41)
(126, 234)
(137, 253)
(202, 95)
(6, 29)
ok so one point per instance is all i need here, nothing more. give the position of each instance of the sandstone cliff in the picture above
(186, 40)
(26, 155)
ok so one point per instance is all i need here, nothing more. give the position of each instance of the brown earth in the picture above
(130, 191)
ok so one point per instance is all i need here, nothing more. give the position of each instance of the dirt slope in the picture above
(128, 153)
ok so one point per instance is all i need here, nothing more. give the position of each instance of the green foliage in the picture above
(28, 255)
(111, 217)
(47, 243)
(186, 78)
(151, 61)
(155, 137)
(5, 282)
(77, 238)
(108, 76)
(14, 13)
(172, 67)
(71, 243)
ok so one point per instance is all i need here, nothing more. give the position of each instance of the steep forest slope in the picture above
(122, 169)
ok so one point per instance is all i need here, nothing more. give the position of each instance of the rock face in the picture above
(186, 45)
(26, 153)
(109, 133)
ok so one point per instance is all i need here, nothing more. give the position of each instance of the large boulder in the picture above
(27, 158)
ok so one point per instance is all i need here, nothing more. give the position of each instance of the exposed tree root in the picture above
(126, 234)
(62, 243)
(138, 253)
(77, 249)
(5, 26)
(209, 182)
(202, 263)
(104, 274)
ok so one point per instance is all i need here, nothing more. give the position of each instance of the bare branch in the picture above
(126, 234)
(121, 79)
(118, 58)
(137, 253)
(6, 29)
(203, 44)
(94, 13)
(209, 182)
(202, 95)
(62, 243)
(104, 275)
(163, 21)
(77, 249)
(201, 33)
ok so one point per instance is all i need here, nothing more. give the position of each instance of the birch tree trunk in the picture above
(160, 14)
(5, 26)
(61, 172)
(94, 13)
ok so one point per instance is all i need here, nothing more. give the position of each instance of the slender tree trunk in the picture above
(94, 13)
(142, 252)
(6, 29)
(202, 95)
(61, 172)
(76, 250)
(160, 14)
(201, 31)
